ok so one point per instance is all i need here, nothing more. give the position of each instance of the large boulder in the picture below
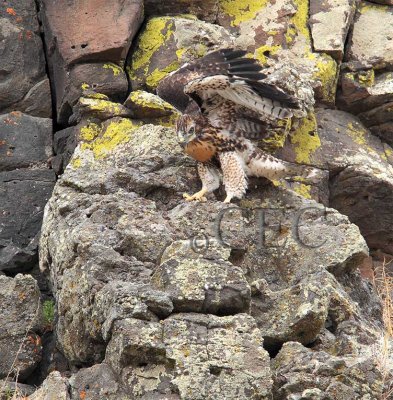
(24, 84)
(297, 367)
(192, 356)
(361, 172)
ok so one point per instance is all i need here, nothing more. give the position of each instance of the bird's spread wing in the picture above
(228, 74)
(230, 90)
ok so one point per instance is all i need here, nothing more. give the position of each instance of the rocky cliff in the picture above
(141, 295)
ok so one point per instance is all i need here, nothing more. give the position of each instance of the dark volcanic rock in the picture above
(205, 10)
(64, 144)
(24, 141)
(24, 194)
(78, 32)
(106, 78)
(24, 85)
(84, 30)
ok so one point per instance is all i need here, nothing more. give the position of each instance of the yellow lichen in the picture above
(101, 105)
(299, 21)
(364, 7)
(151, 101)
(305, 139)
(157, 75)
(303, 189)
(115, 68)
(261, 51)
(89, 132)
(357, 134)
(115, 133)
(241, 10)
(327, 74)
(76, 162)
(367, 78)
(157, 31)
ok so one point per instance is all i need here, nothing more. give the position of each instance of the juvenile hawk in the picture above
(231, 107)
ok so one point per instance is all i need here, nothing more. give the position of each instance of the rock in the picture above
(106, 78)
(70, 37)
(9, 388)
(363, 90)
(147, 105)
(302, 373)
(183, 357)
(96, 382)
(21, 222)
(24, 141)
(292, 314)
(117, 232)
(97, 107)
(24, 84)
(119, 300)
(204, 10)
(77, 42)
(362, 174)
(166, 43)
(278, 30)
(54, 387)
(64, 143)
(37, 101)
(386, 2)
(369, 46)
(20, 345)
(197, 284)
(329, 23)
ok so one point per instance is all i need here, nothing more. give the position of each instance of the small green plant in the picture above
(48, 309)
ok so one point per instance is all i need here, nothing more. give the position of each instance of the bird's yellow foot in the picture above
(198, 196)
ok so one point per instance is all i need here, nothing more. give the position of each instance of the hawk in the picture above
(227, 106)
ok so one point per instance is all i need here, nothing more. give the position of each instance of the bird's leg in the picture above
(210, 182)
(234, 177)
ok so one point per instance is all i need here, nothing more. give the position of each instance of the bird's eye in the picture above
(191, 131)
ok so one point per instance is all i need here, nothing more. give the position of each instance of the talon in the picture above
(198, 196)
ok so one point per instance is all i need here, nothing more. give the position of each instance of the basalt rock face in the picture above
(158, 298)
(193, 295)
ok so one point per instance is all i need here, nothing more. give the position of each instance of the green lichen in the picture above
(305, 139)
(115, 68)
(241, 10)
(48, 311)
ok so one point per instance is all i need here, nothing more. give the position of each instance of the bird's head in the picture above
(186, 129)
